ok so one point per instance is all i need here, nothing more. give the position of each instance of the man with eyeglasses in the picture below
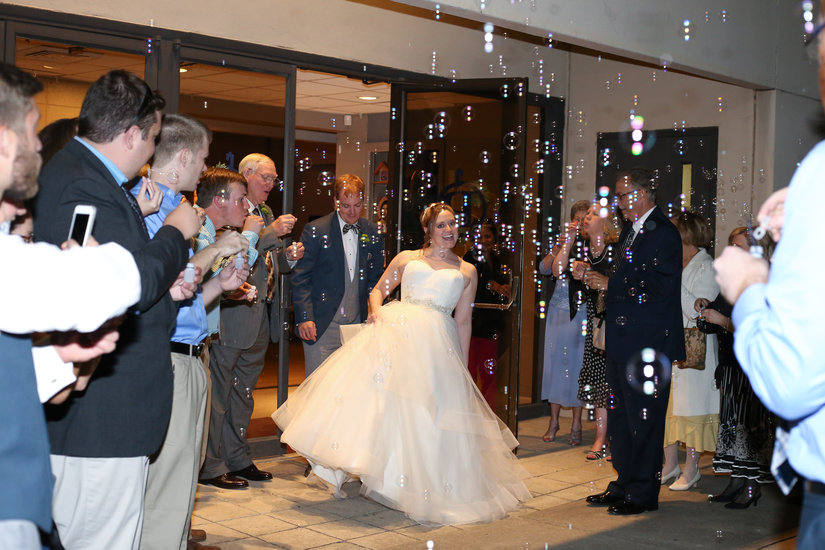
(778, 315)
(237, 354)
(101, 440)
(643, 313)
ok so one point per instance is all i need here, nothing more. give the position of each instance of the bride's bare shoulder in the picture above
(406, 256)
(468, 270)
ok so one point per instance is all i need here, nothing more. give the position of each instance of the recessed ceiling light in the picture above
(367, 97)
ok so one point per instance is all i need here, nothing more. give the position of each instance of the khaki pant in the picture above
(173, 472)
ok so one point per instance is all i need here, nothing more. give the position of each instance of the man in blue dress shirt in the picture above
(778, 315)
(171, 485)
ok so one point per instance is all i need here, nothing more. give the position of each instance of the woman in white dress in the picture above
(693, 409)
(396, 406)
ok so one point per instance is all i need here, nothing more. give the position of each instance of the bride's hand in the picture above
(374, 317)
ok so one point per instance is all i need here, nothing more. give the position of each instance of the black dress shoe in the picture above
(252, 473)
(226, 481)
(604, 499)
(627, 508)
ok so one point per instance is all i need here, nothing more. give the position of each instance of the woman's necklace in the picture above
(593, 257)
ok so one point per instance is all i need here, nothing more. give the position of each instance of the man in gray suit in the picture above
(236, 357)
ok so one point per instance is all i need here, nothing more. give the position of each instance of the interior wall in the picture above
(596, 106)
(59, 99)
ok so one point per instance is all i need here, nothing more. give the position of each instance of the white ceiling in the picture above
(316, 91)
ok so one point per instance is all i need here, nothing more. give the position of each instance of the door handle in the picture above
(502, 307)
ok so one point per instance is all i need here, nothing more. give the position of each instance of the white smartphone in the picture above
(83, 220)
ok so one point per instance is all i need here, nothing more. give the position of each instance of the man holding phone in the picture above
(105, 438)
(108, 273)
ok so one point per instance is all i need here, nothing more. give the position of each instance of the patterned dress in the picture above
(593, 388)
(746, 427)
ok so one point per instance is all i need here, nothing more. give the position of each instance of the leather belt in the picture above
(187, 349)
(815, 487)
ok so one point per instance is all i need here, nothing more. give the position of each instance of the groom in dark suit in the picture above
(344, 259)
(643, 312)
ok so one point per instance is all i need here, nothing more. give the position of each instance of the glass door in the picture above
(248, 103)
(464, 143)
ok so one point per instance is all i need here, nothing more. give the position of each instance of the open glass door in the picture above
(464, 143)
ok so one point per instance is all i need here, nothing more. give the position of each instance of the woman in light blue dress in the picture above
(564, 337)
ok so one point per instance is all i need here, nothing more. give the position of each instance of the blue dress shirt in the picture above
(779, 325)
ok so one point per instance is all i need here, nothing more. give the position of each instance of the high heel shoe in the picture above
(550, 434)
(682, 485)
(736, 485)
(750, 494)
(674, 474)
(575, 437)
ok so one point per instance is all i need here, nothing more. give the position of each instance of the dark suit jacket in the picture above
(125, 410)
(241, 320)
(24, 445)
(643, 296)
(318, 279)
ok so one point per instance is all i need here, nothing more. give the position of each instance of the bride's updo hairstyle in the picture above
(428, 217)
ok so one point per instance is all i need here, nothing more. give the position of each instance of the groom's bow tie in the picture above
(354, 226)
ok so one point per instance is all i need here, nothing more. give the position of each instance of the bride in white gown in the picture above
(396, 406)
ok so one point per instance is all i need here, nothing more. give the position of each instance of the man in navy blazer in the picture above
(103, 437)
(643, 315)
(343, 260)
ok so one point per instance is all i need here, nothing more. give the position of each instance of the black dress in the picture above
(746, 427)
(593, 388)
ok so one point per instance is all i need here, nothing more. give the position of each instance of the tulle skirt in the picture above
(397, 408)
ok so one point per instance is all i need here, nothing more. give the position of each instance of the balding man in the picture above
(236, 356)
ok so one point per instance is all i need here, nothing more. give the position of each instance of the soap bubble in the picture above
(648, 371)
(510, 141)
(327, 178)
(468, 113)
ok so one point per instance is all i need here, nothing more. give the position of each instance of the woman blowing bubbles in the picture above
(396, 406)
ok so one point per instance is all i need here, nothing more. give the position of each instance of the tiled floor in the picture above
(294, 512)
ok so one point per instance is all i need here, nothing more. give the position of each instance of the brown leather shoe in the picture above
(197, 535)
(252, 473)
(226, 481)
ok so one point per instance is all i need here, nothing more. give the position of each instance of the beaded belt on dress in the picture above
(430, 304)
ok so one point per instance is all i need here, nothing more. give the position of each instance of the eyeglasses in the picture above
(148, 97)
(621, 196)
(270, 179)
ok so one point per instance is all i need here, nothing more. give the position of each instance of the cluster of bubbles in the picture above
(488, 37)
(808, 16)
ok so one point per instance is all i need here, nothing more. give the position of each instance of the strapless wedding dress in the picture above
(396, 407)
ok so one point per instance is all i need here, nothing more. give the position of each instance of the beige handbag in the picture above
(695, 348)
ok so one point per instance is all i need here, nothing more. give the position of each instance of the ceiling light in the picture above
(184, 70)
(367, 97)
